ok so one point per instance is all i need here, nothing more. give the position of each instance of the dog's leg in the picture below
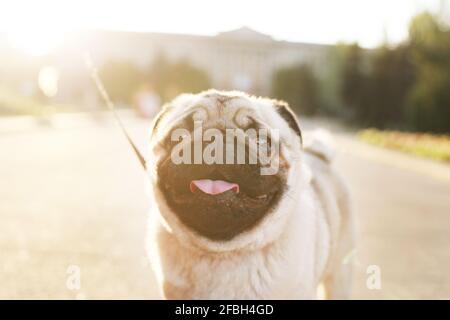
(338, 282)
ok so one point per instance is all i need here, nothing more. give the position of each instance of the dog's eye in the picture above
(184, 135)
(263, 140)
(189, 123)
(198, 116)
(264, 143)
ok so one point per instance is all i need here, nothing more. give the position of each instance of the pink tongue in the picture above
(213, 186)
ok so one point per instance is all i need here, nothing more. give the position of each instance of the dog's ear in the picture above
(182, 99)
(289, 116)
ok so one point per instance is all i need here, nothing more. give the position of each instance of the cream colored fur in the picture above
(293, 249)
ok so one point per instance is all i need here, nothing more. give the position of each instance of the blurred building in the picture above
(241, 59)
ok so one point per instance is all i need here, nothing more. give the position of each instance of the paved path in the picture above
(403, 218)
(74, 195)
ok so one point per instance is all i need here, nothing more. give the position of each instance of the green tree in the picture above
(429, 100)
(298, 86)
(375, 84)
(159, 74)
(121, 79)
(387, 85)
(170, 79)
(354, 81)
(330, 82)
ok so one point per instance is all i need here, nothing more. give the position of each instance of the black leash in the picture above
(101, 89)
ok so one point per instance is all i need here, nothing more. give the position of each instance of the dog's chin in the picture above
(245, 200)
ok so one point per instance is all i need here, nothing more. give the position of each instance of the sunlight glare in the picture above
(37, 41)
(36, 28)
(48, 80)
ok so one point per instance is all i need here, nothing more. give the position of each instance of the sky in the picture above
(40, 25)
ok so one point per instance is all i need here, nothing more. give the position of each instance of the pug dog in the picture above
(220, 230)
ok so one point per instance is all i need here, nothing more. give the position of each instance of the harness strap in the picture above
(104, 94)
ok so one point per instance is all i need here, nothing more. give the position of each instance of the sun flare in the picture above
(35, 42)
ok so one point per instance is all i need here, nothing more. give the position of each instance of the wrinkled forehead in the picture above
(215, 104)
(208, 105)
(234, 109)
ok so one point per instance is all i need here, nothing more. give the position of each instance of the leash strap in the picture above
(104, 94)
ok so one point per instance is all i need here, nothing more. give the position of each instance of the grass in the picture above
(431, 146)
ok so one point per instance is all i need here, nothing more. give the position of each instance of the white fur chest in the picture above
(285, 269)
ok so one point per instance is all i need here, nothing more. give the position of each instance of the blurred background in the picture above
(72, 197)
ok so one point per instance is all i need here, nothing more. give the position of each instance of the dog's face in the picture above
(221, 201)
